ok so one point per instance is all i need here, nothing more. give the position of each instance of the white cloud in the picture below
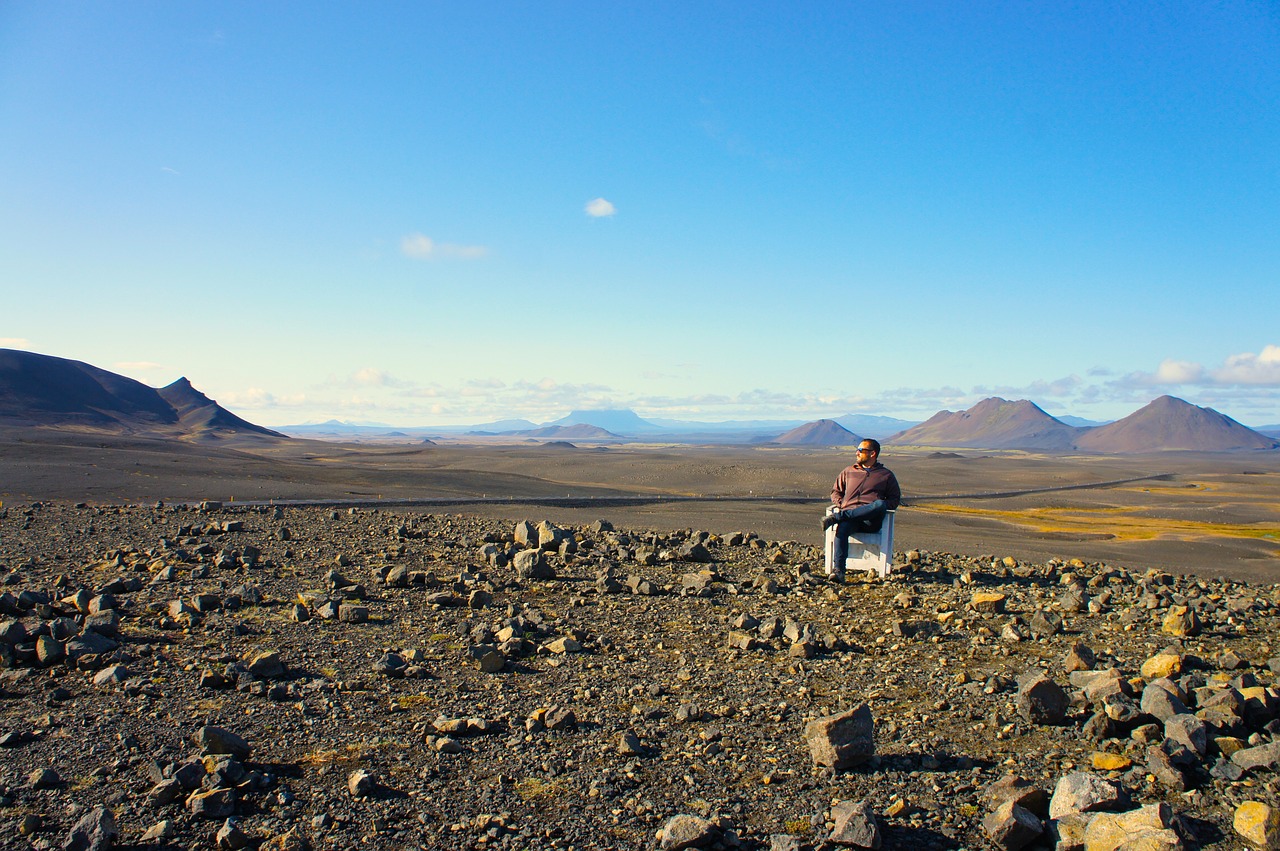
(1246, 369)
(365, 377)
(1178, 372)
(257, 398)
(422, 247)
(1057, 388)
(371, 377)
(15, 342)
(599, 208)
(1262, 369)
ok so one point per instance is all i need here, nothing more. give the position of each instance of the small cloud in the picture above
(367, 377)
(1058, 388)
(1248, 368)
(257, 397)
(1178, 372)
(15, 342)
(371, 377)
(168, 170)
(422, 247)
(600, 209)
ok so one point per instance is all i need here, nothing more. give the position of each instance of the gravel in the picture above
(289, 678)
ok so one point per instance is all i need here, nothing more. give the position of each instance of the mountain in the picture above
(334, 428)
(619, 422)
(1081, 422)
(502, 425)
(818, 433)
(581, 431)
(993, 423)
(198, 413)
(1269, 430)
(45, 391)
(869, 425)
(1171, 423)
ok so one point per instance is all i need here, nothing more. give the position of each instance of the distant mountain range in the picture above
(43, 391)
(46, 391)
(1165, 423)
(995, 423)
(1080, 422)
(611, 424)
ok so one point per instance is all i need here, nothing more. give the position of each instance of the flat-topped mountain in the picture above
(1171, 423)
(993, 423)
(45, 391)
(818, 433)
(618, 421)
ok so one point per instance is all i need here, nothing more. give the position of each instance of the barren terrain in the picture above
(449, 676)
(1188, 512)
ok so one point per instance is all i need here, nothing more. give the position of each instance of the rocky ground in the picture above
(185, 677)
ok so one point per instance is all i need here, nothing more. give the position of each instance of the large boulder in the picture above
(842, 740)
(1258, 824)
(530, 564)
(1150, 827)
(1082, 792)
(688, 831)
(855, 825)
(1041, 700)
(1012, 826)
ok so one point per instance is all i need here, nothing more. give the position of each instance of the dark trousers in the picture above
(863, 518)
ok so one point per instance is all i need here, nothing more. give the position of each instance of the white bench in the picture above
(867, 550)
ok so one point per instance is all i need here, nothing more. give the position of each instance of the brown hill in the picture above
(993, 423)
(581, 431)
(197, 413)
(818, 433)
(1171, 423)
(45, 391)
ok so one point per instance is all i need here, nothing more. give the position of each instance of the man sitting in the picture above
(863, 493)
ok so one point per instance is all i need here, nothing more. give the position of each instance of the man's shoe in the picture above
(836, 578)
(829, 521)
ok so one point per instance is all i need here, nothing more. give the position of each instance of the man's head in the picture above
(868, 451)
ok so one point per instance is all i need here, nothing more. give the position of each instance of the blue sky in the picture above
(437, 213)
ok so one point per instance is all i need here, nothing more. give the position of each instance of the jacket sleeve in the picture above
(837, 490)
(892, 493)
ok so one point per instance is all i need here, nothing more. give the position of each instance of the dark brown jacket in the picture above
(857, 486)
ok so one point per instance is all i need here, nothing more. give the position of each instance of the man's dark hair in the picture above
(875, 444)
